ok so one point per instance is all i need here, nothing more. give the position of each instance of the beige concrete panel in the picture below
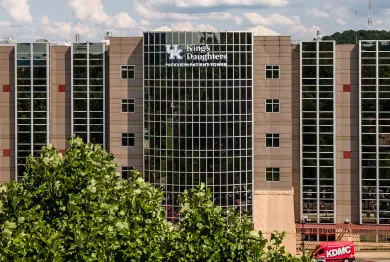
(347, 196)
(274, 210)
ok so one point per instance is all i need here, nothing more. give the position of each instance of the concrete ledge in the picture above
(373, 255)
(280, 192)
(288, 231)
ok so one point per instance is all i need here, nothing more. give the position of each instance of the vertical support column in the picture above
(88, 102)
(334, 135)
(16, 110)
(300, 139)
(32, 98)
(318, 126)
(104, 96)
(377, 127)
(48, 81)
(71, 92)
(360, 134)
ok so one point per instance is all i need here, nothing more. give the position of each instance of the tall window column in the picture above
(32, 101)
(375, 131)
(88, 92)
(198, 119)
(318, 169)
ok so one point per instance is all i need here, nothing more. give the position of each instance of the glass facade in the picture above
(318, 152)
(375, 131)
(32, 99)
(88, 87)
(198, 119)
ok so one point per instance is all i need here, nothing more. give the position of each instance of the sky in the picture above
(60, 20)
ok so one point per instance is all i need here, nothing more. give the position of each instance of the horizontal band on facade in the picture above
(273, 192)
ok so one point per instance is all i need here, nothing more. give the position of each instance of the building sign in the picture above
(338, 251)
(194, 55)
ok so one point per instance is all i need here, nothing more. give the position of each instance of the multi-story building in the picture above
(296, 135)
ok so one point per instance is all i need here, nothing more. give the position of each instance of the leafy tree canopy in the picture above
(349, 36)
(205, 234)
(75, 208)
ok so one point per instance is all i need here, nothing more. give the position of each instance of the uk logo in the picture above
(174, 52)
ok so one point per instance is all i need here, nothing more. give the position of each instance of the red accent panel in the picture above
(62, 151)
(61, 88)
(346, 88)
(6, 88)
(6, 153)
(347, 154)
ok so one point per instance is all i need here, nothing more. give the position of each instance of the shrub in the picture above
(205, 235)
(75, 208)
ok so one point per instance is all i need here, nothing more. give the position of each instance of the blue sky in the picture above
(59, 20)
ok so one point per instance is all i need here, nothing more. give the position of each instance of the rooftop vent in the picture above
(77, 38)
(61, 44)
(319, 35)
(108, 35)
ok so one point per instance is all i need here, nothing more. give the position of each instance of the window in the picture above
(128, 105)
(272, 105)
(125, 172)
(272, 174)
(127, 139)
(127, 72)
(272, 140)
(272, 71)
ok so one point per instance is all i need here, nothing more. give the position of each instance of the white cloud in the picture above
(274, 19)
(5, 24)
(144, 23)
(336, 10)
(188, 26)
(317, 13)
(306, 32)
(19, 10)
(147, 12)
(381, 24)
(290, 25)
(67, 30)
(206, 27)
(340, 21)
(93, 11)
(238, 20)
(183, 26)
(214, 3)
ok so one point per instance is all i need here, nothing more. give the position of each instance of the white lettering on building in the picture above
(174, 52)
(338, 252)
(194, 53)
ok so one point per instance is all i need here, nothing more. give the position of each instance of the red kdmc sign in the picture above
(338, 252)
(335, 251)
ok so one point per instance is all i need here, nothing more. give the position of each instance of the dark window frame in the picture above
(125, 171)
(128, 139)
(272, 71)
(272, 105)
(272, 140)
(272, 174)
(128, 105)
(126, 71)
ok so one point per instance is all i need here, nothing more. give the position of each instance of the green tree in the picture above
(205, 234)
(75, 208)
(349, 36)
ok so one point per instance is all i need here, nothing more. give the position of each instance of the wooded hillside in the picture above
(349, 36)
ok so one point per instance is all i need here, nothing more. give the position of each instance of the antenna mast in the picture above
(356, 13)
(369, 15)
